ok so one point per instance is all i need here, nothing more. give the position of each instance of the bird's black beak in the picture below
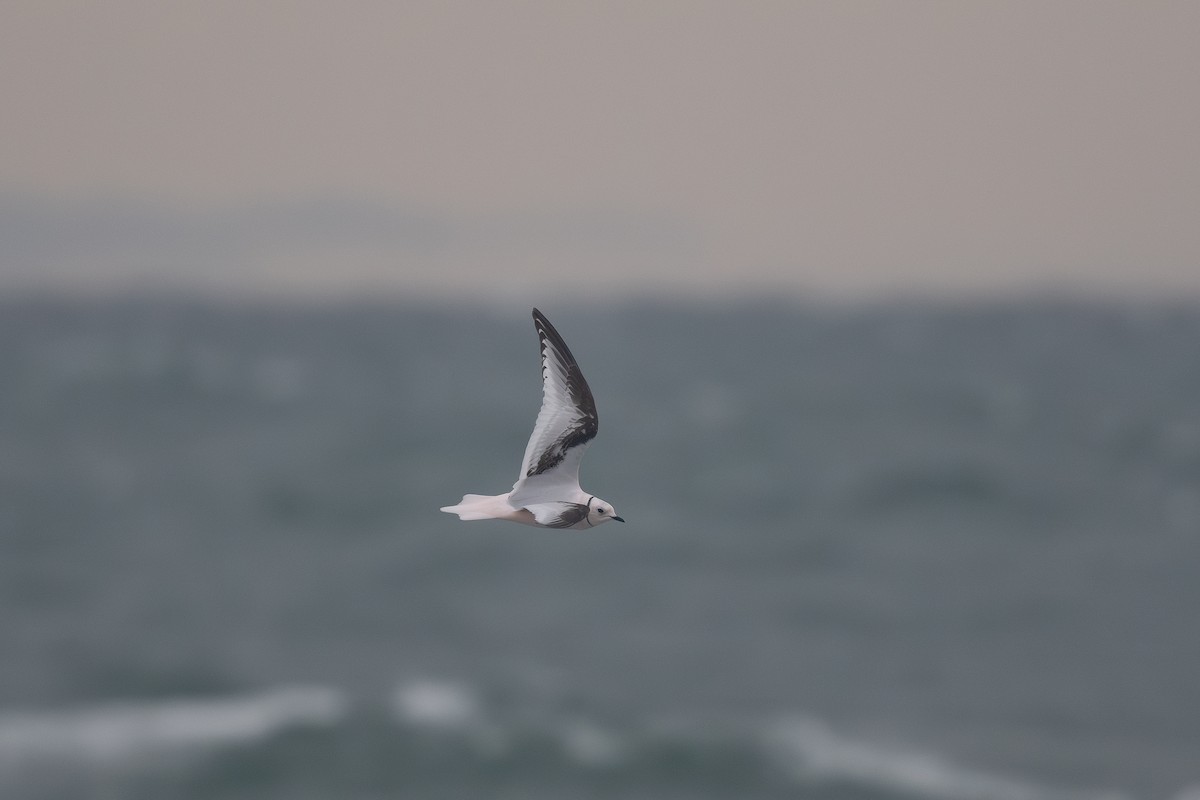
(618, 519)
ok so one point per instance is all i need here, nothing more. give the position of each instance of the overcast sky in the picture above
(848, 149)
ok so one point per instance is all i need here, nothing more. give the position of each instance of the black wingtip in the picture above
(547, 330)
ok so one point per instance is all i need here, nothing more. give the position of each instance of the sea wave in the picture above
(807, 750)
(815, 753)
(438, 730)
(121, 730)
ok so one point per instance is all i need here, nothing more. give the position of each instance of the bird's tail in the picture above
(476, 506)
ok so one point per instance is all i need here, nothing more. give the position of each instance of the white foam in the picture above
(445, 707)
(813, 752)
(591, 746)
(438, 704)
(121, 730)
(453, 708)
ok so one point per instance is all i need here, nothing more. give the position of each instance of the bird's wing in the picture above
(558, 515)
(565, 425)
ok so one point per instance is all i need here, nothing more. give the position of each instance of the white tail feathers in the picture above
(482, 506)
(474, 506)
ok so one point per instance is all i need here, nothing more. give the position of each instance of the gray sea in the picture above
(911, 551)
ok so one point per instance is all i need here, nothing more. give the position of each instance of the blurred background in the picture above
(891, 312)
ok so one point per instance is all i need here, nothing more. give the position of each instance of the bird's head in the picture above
(601, 511)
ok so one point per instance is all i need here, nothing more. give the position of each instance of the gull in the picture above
(547, 495)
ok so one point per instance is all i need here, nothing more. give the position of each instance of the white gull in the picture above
(547, 494)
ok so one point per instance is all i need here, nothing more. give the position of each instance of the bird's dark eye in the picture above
(601, 510)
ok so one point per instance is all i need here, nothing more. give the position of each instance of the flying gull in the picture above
(547, 494)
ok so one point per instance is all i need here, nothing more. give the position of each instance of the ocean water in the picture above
(896, 551)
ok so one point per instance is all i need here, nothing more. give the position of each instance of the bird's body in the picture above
(552, 514)
(547, 494)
